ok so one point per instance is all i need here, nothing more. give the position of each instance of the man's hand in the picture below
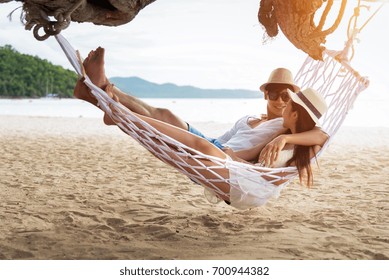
(270, 152)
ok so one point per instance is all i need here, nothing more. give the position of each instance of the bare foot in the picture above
(81, 91)
(109, 90)
(94, 67)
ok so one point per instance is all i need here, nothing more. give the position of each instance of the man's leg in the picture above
(94, 67)
(138, 106)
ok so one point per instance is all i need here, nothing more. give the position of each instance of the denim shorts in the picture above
(214, 141)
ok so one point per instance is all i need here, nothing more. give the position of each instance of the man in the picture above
(247, 132)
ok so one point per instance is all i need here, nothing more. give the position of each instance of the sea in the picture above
(371, 113)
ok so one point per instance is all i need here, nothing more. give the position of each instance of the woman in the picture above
(301, 114)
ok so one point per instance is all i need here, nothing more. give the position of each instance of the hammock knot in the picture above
(38, 17)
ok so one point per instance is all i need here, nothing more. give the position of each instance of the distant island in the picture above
(26, 76)
(145, 89)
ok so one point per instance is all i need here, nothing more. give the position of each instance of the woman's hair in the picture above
(301, 154)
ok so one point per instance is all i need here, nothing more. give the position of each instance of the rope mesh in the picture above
(336, 81)
(339, 84)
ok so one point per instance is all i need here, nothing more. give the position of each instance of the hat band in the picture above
(309, 105)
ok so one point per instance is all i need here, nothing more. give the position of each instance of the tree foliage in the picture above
(29, 76)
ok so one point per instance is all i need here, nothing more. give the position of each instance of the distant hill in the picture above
(145, 89)
(29, 76)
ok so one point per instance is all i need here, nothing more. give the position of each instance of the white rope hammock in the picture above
(335, 80)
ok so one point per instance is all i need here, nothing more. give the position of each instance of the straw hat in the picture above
(280, 76)
(312, 101)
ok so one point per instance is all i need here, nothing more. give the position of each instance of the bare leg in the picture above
(110, 92)
(138, 106)
(181, 135)
(94, 67)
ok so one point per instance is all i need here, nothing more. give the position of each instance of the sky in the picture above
(208, 44)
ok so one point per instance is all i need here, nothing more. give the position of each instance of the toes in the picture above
(101, 50)
(99, 54)
(88, 58)
(90, 54)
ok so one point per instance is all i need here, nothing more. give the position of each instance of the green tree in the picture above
(29, 76)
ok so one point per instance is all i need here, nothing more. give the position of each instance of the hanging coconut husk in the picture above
(296, 20)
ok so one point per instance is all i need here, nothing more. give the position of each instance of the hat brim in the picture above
(295, 88)
(296, 99)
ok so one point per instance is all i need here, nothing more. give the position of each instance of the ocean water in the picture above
(365, 113)
(191, 110)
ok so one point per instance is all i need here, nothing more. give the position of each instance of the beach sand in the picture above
(72, 188)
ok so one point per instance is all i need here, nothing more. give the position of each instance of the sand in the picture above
(72, 188)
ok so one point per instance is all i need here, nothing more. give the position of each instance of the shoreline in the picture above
(73, 188)
(77, 126)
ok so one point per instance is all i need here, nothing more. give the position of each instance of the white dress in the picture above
(247, 188)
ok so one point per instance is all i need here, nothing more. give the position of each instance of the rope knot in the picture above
(38, 18)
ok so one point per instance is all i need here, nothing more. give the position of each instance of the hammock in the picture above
(336, 80)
